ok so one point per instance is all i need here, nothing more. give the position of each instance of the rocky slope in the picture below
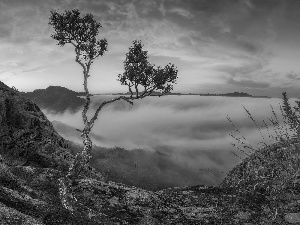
(263, 189)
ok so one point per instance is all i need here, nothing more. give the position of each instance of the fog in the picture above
(192, 129)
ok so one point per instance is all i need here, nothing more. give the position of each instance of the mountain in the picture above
(234, 94)
(263, 189)
(56, 99)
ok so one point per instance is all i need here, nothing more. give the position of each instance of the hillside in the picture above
(263, 189)
(56, 99)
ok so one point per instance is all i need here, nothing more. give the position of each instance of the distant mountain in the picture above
(56, 98)
(234, 94)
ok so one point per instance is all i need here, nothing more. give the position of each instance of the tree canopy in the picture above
(139, 72)
(79, 31)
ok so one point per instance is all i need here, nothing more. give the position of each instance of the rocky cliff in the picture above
(264, 189)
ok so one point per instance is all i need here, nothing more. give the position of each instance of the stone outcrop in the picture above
(264, 189)
(27, 137)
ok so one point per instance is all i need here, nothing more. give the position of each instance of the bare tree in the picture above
(140, 76)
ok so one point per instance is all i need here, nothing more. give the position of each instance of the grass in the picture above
(283, 133)
(271, 168)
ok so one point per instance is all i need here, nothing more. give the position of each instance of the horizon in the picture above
(180, 93)
(218, 46)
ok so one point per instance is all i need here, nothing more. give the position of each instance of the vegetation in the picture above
(141, 78)
(292, 115)
(283, 133)
(271, 171)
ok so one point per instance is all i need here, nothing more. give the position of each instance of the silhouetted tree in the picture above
(140, 76)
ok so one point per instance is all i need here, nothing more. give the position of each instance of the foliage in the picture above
(139, 72)
(79, 31)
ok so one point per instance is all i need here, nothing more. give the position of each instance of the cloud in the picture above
(182, 12)
(5, 31)
(207, 39)
(248, 83)
(195, 128)
(249, 46)
(293, 76)
(243, 66)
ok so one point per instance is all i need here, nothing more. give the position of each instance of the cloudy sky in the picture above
(218, 46)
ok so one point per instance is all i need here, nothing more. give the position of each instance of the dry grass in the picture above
(281, 133)
(273, 169)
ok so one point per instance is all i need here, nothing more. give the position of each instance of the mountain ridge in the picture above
(56, 99)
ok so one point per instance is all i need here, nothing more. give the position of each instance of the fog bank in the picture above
(195, 128)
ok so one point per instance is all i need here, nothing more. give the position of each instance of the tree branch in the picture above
(78, 130)
(131, 94)
(77, 51)
(94, 118)
(136, 89)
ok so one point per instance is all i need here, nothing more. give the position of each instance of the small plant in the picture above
(292, 116)
(283, 132)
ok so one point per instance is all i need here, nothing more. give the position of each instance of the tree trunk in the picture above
(77, 167)
(81, 159)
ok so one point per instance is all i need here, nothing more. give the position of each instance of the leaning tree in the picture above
(141, 78)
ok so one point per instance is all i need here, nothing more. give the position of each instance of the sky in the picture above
(218, 46)
(193, 129)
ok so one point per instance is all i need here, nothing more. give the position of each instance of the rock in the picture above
(10, 216)
(243, 215)
(27, 137)
(292, 217)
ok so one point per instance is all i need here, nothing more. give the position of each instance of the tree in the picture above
(140, 73)
(81, 32)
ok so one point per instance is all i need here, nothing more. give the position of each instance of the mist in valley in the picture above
(172, 140)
